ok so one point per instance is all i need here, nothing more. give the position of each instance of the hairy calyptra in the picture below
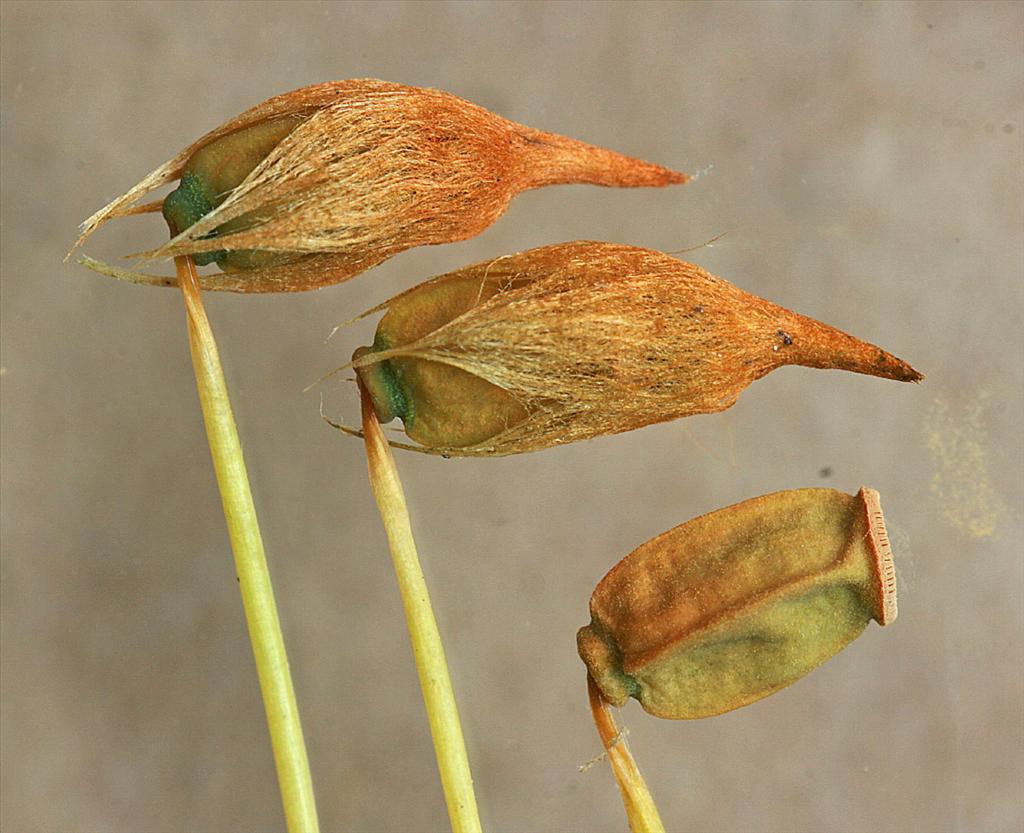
(737, 604)
(315, 186)
(576, 340)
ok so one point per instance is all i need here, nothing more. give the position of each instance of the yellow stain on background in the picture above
(961, 456)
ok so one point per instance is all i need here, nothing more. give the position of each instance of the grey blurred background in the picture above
(865, 161)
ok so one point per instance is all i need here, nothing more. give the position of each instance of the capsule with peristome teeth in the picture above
(737, 604)
(576, 340)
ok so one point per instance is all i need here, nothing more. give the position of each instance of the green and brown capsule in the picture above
(737, 604)
(211, 174)
(312, 187)
(577, 340)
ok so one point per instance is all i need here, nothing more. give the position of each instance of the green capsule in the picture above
(210, 174)
(737, 604)
(439, 405)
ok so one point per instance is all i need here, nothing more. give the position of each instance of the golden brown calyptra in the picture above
(737, 604)
(317, 185)
(576, 340)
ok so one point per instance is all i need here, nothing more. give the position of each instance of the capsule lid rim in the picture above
(881, 550)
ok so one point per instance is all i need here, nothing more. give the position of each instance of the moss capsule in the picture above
(737, 604)
(577, 340)
(212, 173)
(310, 188)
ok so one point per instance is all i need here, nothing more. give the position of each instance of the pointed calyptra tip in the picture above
(551, 159)
(813, 344)
(900, 370)
(658, 176)
(887, 366)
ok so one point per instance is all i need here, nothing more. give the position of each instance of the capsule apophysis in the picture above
(576, 340)
(312, 187)
(737, 604)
